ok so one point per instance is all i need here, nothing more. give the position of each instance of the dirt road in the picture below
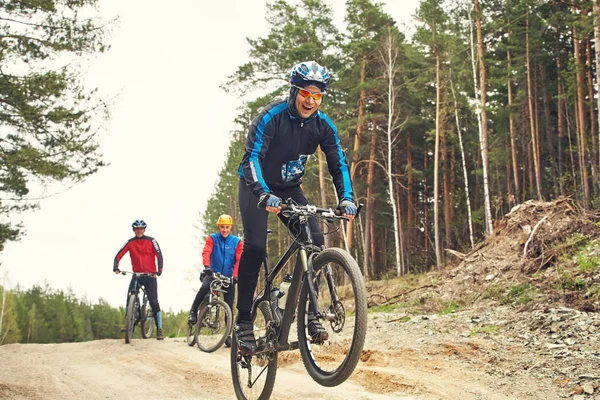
(394, 366)
(147, 369)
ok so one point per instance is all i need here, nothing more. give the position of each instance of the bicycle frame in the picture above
(136, 291)
(302, 270)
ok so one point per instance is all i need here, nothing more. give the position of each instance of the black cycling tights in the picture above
(151, 290)
(255, 240)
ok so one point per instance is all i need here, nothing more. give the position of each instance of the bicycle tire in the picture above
(318, 357)
(263, 331)
(190, 336)
(130, 318)
(213, 337)
(147, 325)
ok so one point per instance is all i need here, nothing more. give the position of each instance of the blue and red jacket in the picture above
(142, 251)
(279, 144)
(222, 254)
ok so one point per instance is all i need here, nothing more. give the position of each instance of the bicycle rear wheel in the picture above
(147, 320)
(342, 301)
(254, 376)
(130, 318)
(214, 325)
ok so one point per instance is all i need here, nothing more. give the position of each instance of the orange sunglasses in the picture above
(307, 93)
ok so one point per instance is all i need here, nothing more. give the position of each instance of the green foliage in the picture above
(384, 308)
(449, 308)
(487, 329)
(586, 262)
(45, 315)
(520, 294)
(48, 119)
(569, 281)
(510, 294)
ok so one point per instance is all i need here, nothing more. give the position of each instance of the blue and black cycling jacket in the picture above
(279, 144)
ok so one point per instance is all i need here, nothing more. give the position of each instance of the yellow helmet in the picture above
(225, 220)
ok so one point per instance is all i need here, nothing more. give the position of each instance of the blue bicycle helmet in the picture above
(309, 72)
(139, 223)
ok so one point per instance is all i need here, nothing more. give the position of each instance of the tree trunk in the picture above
(359, 129)
(580, 73)
(532, 114)
(323, 191)
(513, 133)
(593, 127)
(390, 59)
(425, 202)
(550, 156)
(464, 164)
(510, 197)
(597, 45)
(561, 127)
(410, 207)
(370, 220)
(483, 134)
(436, 161)
(447, 196)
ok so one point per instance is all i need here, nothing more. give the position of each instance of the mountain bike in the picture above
(326, 283)
(215, 320)
(137, 313)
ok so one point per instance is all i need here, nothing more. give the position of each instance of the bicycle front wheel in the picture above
(214, 325)
(130, 318)
(147, 320)
(254, 376)
(190, 336)
(342, 303)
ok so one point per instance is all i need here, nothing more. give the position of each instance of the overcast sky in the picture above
(165, 142)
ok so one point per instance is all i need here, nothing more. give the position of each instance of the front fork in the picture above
(329, 314)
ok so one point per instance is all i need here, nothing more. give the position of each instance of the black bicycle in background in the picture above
(326, 283)
(215, 319)
(138, 313)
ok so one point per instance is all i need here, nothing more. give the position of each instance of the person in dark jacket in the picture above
(143, 250)
(221, 254)
(280, 141)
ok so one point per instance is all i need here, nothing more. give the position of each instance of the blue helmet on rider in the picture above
(139, 223)
(309, 73)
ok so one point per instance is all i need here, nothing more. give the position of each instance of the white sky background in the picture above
(166, 141)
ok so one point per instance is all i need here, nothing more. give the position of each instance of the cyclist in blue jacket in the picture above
(221, 254)
(279, 142)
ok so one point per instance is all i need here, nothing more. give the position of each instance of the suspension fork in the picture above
(309, 276)
(331, 284)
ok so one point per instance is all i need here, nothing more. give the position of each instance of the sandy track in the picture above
(109, 369)
(392, 366)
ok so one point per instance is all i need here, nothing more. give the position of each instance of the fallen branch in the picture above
(457, 254)
(533, 233)
(397, 297)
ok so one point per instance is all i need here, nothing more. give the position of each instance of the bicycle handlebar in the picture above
(139, 274)
(222, 278)
(291, 208)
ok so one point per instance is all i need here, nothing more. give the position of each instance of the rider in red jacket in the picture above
(143, 250)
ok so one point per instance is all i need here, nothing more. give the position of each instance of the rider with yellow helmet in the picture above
(221, 254)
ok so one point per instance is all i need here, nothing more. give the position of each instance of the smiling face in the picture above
(139, 232)
(307, 106)
(225, 230)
